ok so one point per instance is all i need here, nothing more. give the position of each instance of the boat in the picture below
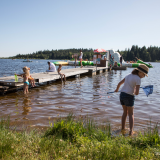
(26, 60)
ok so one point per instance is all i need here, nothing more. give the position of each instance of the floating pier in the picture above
(119, 68)
(8, 84)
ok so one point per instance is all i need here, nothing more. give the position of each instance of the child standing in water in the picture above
(25, 77)
(130, 88)
(61, 74)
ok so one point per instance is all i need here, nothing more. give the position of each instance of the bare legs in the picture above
(128, 111)
(75, 61)
(25, 88)
(32, 82)
(124, 116)
(63, 76)
(81, 63)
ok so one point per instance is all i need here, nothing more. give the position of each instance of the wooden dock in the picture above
(8, 84)
(119, 68)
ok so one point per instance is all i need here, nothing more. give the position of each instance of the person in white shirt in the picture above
(52, 67)
(80, 57)
(130, 88)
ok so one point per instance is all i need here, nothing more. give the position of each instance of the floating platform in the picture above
(72, 63)
(8, 83)
(119, 68)
(61, 62)
(141, 62)
(90, 63)
(130, 65)
(135, 65)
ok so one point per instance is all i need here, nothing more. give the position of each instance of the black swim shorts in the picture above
(127, 99)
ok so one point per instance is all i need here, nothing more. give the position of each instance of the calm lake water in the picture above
(84, 96)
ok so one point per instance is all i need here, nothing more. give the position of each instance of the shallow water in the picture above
(84, 96)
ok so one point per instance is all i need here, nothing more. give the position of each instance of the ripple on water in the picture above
(85, 96)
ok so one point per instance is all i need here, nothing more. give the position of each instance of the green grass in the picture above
(76, 139)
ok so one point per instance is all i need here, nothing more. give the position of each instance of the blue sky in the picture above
(27, 26)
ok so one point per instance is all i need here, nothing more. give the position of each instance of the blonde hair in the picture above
(26, 71)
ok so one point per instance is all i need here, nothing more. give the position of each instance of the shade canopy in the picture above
(99, 50)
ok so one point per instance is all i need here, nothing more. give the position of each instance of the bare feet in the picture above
(130, 133)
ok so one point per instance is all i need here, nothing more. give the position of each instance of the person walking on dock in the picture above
(52, 67)
(130, 88)
(80, 57)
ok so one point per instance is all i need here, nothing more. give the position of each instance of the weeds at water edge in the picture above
(71, 139)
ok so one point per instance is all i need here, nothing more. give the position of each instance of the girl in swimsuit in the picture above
(25, 76)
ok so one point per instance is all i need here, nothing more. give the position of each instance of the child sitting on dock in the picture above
(115, 64)
(61, 74)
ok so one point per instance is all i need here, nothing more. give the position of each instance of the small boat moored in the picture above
(26, 60)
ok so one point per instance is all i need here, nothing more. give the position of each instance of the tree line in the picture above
(56, 54)
(150, 54)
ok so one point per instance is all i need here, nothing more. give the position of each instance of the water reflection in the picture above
(26, 105)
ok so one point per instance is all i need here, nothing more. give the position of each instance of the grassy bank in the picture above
(71, 139)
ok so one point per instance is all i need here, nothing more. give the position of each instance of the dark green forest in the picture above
(150, 54)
